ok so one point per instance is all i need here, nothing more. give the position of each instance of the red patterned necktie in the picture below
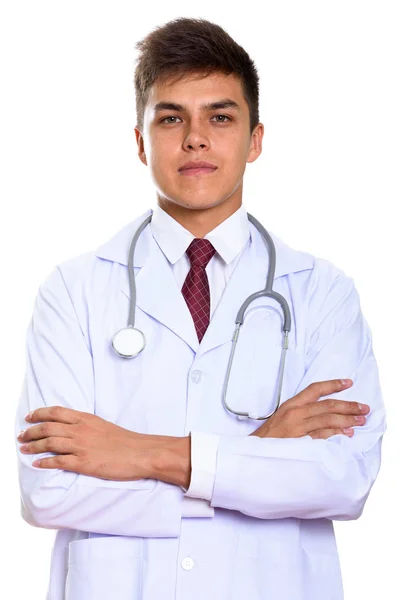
(196, 290)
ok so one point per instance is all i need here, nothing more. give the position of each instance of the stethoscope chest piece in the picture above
(128, 342)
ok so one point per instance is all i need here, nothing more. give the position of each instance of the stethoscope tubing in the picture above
(266, 292)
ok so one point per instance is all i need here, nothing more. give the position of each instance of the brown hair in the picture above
(184, 46)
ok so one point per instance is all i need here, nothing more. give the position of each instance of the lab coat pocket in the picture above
(319, 559)
(268, 566)
(104, 567)
(322, 576)
(287, 575)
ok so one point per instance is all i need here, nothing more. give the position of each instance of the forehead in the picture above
(196, 89)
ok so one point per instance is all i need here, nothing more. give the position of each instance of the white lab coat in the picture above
(271, 535)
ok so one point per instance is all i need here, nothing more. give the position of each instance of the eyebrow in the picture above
(225, 103)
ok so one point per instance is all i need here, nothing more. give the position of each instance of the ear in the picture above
(256, 143)
(140, 143)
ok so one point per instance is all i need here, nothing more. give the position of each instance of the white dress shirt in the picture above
(229, 239)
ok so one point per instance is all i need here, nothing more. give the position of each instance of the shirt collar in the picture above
(116, 249)
(228, 238)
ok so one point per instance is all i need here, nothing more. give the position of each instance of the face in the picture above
(198, 119)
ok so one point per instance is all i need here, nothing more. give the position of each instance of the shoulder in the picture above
(71, 275)
(91, 271)
(318, 273)
(325, 293)
(324, 297)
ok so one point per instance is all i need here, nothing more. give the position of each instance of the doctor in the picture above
(155, 488)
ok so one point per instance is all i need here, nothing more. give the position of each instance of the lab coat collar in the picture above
(159, 296)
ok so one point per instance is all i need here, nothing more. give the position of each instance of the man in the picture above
(156, 488)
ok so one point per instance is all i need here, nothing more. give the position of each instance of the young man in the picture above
(156, 488)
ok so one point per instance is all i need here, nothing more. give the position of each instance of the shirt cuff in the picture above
(204, 450)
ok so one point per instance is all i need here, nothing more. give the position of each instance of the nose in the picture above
(195, 139)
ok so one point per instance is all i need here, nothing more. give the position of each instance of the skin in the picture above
(86, 443)
(222, 137)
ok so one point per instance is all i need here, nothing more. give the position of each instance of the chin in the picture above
(196, 200)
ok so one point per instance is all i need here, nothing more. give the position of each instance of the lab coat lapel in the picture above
(158, 295)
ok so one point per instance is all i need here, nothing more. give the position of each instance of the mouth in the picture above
(197, 171)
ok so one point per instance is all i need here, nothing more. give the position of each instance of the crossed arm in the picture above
(98, 464)
(87, 444)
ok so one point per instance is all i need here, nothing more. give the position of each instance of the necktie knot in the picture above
(200, 252)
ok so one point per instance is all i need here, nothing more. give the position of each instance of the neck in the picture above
(199, 221)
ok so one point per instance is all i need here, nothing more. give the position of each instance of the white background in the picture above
(327, 182)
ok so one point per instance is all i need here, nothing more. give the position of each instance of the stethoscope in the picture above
(129, 341)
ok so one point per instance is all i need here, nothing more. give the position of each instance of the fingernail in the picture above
(28, 416)
(346, 381)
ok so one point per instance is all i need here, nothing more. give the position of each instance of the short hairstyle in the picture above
(188, 46)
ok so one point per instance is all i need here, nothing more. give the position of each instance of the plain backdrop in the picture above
(326, 182)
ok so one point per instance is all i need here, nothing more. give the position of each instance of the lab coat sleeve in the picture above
(59, 371)
(275, 478)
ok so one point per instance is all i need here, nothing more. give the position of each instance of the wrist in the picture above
(172, 462)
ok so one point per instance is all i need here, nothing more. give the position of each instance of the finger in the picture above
(323, 434)
(44, 430)
(332, 405)
(327, 420)
(54, 413)
(319, 388)
(51, 444)
(65, 462)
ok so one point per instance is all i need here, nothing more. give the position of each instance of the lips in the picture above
(199, 164)
(199, 167)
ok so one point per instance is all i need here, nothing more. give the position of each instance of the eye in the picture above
(224, 117)
(220, 119)
(171, 117)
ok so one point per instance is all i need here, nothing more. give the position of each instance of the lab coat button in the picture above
(196, 376)
(187, 563)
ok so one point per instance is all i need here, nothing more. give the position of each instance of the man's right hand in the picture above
(303, 415)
